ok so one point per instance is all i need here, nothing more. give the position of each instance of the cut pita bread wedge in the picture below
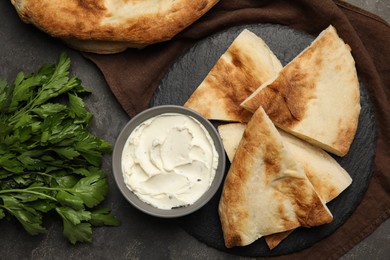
(231, 135)
(316, 96)
(328, 178)
(266, 191)
(245, 65)
(324, 172)
(274, 240)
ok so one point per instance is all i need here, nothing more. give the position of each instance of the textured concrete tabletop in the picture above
(35, 48)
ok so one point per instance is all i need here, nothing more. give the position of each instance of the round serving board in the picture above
(189, 71)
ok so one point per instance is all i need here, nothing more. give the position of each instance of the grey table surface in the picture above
(24, 43)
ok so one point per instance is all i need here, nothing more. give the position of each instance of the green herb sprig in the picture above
(49, 161)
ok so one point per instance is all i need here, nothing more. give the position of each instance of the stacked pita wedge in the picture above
(316, 96)
(245, 65)
(328, 178)
(263, 170)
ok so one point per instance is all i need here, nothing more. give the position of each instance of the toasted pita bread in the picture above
(324, 172)
(316, 96)
(245, 65)
(231, 135)
(328, 178)
(108, 26)
(266, 191)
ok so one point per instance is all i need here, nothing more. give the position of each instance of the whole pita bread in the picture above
(328, 178)
(246, 64)
(266, 191)
(316, 96)
(110, 26)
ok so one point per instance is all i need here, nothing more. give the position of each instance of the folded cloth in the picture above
(134, 75)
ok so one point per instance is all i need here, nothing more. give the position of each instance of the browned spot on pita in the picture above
(230, 85)
(272, 159)
(324, 189)
(91, 5)
(310, 211)
(77, 17)
(345, 135)
(234, 240)
(285, 99)
(282, 213)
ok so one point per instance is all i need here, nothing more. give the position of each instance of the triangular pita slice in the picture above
(231, 135)
(329, 179)
(266, 191)
(245, 65)
(316, 96)
(274, 240)
(324, 172)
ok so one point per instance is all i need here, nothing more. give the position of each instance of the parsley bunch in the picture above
(49, 162)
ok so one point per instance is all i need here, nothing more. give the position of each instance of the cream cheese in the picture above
(169, 161)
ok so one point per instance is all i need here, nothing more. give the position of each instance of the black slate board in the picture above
(188, 72)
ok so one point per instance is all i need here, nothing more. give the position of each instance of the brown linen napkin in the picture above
(134, 75)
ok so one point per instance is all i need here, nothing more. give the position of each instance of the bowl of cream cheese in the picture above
(168, 161)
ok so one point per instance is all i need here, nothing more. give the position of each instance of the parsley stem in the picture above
(28, 191)
(46, 188)
(44, 174)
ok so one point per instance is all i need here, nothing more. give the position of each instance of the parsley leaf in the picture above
(4, 94)
(74, 229)
(27, 216)
(102, 217)
(91, 189)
